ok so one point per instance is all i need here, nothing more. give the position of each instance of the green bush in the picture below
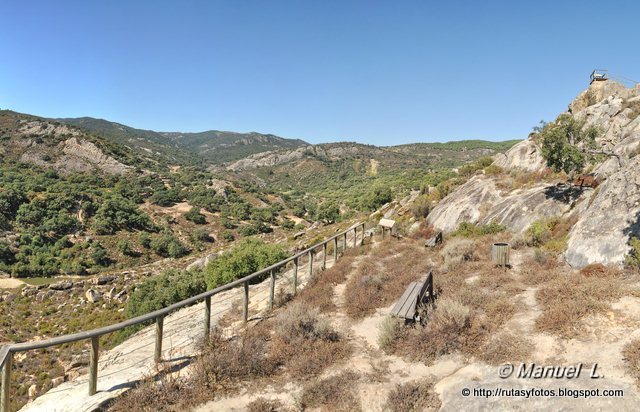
(539, 232)
(377, 197)
(195, 216)
(117, 213)
(165, 289)
(228, 236)
(564, 142)
(167, 245)
(249, 256)
(421, 207)
(633, 259)
(202, 235)
(466, 229)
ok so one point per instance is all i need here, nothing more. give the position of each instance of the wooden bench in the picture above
(416, 293)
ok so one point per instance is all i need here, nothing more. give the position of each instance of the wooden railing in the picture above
(93, 335)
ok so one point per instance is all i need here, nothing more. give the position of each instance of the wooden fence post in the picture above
(324, 255)
(157, 356)
(245, 303)
(93, 365)
(295, 276)
(335, 250)
(310, 264)
(6, 383)
(362, 240)
(272, 290)
(207, 317)
(345, 243)
(355, 237)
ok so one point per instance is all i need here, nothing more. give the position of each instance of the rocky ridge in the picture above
(607, 217)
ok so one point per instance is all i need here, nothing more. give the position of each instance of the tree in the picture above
(377, 197)
(249, 256)
(328, 212)
(567, 144)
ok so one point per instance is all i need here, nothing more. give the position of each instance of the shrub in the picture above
(507, 347)
(456, 251)
(466, 229)
(413, 396)
(390, 330)
(539, 232)
(249, 256)
(633, 259)
(195, 216)
(168, 246)
(117, 213)
(202, 235)
(265, 405)
(125, 247)
(228, 236)
(336, 393)
(631, 356)
(160, 291)
(421, 207)
(377, 197)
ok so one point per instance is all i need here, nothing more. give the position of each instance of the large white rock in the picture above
(525, 155)
(603, 230)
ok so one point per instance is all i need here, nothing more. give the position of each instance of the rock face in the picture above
(464, 204)
(602, 233)
(606, 217)
(526, 155)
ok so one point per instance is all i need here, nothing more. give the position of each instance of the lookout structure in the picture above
(598, 76)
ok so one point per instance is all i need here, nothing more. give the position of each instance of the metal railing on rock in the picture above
(93, 335)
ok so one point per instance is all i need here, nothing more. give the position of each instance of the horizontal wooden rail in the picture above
(7, 351)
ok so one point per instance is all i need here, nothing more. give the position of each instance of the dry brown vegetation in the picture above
(567, 299)
(473, 302)
(413, 397)
(380, 280)
(506, 347)
(631, 353)
(266, 405)
(303, 344)
(319, 290)
(336, 393)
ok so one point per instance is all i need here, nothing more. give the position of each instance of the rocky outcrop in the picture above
(464, 204)
(603, 230)
(526, 155)
(479, 201)
(271, 158)
(521, 208)
(606, 217)
(83, 156)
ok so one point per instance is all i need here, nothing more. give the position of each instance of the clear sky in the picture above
(379, 72)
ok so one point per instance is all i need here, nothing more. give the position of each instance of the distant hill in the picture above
(213, 146)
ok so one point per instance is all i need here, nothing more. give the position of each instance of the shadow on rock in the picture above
(564, 193)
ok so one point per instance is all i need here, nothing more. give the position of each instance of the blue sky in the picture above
(378, 72)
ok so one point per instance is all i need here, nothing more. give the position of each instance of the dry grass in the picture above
(390, 331)
(414, 396)
(456, 251)
(304, 342)
(266, 405)
(336, 393)
(567, 299)
(167, 394)
(319, 291)
(535, 272)
(381, 280)
(631, 356)
(506, 347)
